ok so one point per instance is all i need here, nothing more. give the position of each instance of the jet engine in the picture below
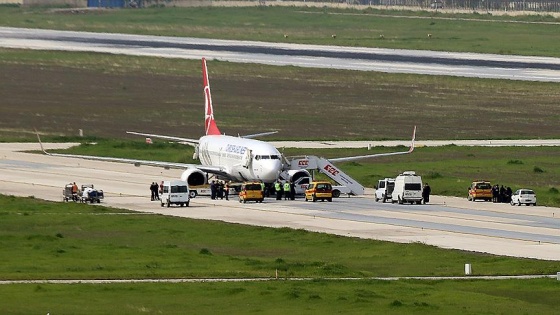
(294, 175)
(194, 177)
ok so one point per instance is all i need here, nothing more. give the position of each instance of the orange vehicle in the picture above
(480, 189)
(251, 191)
(319, 190)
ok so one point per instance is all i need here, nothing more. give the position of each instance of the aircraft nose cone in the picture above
(270, 171)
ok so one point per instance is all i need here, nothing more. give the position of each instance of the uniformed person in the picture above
(287, 190)
(278, 190)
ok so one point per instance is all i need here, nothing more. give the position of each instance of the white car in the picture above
(526, 196)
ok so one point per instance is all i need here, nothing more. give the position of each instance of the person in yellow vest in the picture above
(278, 190)
(287, 190)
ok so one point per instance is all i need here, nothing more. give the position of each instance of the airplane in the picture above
(235, 158)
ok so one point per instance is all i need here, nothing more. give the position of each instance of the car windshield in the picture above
(253, 187)
(323, 186)
(483, 186)
(179, 189)
(413, 186)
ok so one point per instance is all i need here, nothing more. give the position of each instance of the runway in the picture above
(446, 222)
(527, 68)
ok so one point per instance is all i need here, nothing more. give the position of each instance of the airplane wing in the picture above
(259, 134)
(171, 138)
(353, 158)
(167, 165)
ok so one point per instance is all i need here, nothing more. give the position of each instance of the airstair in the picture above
(349, 185)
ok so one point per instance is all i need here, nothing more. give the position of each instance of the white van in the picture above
(408, 188)
(175, 192)
(384, 189)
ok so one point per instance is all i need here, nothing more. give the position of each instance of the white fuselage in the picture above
(244, 159)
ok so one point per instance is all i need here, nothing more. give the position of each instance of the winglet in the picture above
(40, 143)
(413, 140)
(210, 126)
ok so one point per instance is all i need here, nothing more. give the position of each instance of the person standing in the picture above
(212, 190)
(292, 191)
(287, 190)
(74, 192)
(226, 191)
(278, 190)
(426, 191)
(153, 188)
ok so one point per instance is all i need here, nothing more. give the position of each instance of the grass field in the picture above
(45, 240)
(62, 92)
(520, 35)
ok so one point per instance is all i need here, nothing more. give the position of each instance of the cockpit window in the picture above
(267, 157)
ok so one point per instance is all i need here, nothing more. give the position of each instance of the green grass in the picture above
(46, 240)
(280, 297)
(164, 96)
(449, 169)
(409, 30)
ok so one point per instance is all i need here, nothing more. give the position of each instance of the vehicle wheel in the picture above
(168, 204)
(468, 198)
(187, 204)
(519, 203)
(535, 204)
(419, 202)
(400, 201)
(384, 199)
(392, 201)
(511, 203)
(98, 200)
(193, 194)
(240, 201)
(329, 199)
(336, 193)
(261, 200)
(162, 204)
(376, 200)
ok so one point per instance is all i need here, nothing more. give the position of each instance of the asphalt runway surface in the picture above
(527, 68)
(446, 222)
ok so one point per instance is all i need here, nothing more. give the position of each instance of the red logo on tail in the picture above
(210, 126)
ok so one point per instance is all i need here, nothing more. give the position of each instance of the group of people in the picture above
(286, 189)
(501, 194)
(219, 190)
(156, 190)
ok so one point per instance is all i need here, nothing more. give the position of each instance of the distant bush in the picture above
(553, 190)
(537, 169)
(515, 162)
(432, 175)
(205, 251)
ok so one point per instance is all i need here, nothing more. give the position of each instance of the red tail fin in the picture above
(210, 126)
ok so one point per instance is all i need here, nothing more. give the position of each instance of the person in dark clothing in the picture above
(509, 192)
(495, 192)
(292, 191)
(153, 190)
(213, 190)
(226, 191)
(221, 190)
(502, 196)
(426, 191)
